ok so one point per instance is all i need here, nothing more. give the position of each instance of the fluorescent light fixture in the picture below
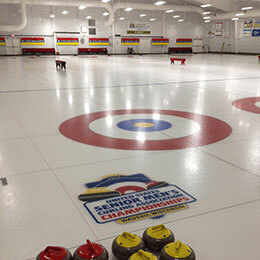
(180, 20)
(152, 19)
(234, 19)
(128, 9)
(121, 18)
(160, 3)
(206, 17)
(65, 12)
(247, 8)
(206, 5)
(176, 16)
(82, 7)
(52, 16)
(205, 13)
(105, 14)
(207, 21)
(142, 15)
(169, 11)
(88, 17)
(240, 14)
(105, 1)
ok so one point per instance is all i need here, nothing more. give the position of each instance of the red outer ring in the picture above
(247, 104)
(124, 189)
(212, 130)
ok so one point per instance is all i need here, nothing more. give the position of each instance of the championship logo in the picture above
(128, 198)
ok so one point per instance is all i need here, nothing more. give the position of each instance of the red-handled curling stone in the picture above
(90, 251)
(54, 253)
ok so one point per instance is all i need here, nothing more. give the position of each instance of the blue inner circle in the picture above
(158, 125)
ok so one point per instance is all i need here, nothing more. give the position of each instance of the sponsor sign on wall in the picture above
(128, 198)
(2, 41)
(67, 41)
(247, 30)
(32, 41)
(219, 29)
(160, 41)
(256, 29)
(130, 41)
(98, 41)
(138, 28)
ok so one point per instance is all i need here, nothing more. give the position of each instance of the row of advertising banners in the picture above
(251, 28)
(98, 41)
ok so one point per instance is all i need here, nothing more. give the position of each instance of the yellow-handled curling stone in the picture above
(156, 237)
(126, 244)
(177, 251)
(143, 255)
(91, 251)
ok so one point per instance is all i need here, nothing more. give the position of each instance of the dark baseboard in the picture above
(233, 53)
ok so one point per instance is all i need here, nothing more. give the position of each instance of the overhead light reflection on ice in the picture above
(191, 161)
(128, 105)
(156, 116)
(70, 99)
(109, 121)
(108, 97)
(86, 108)
(244, 124)
(58, 93)
(140, 137)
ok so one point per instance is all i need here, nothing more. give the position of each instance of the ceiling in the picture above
(217, 5)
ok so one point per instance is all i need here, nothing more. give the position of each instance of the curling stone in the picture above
(91, 251)
(155, 238)
(126, 244)
(177, 251)
(143, 255)
(54, 253)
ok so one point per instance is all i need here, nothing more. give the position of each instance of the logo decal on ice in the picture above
(128, 198)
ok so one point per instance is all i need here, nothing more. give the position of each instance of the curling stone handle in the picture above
(129, 235)
(158, 227)
(178, 245)
(91, 247)
(143, 254)
(53, 251)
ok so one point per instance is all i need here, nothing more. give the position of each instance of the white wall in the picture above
(40, 24)
(245, 44)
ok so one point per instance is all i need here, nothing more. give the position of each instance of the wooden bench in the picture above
(92, 50)
(60, 64)
(38, 51)
(182, 60)
(179, 50)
